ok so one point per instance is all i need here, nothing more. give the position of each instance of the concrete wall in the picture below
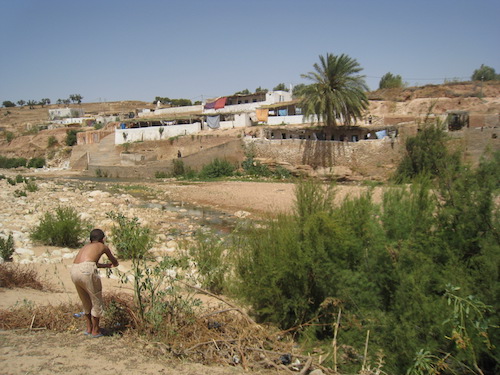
(153, 134)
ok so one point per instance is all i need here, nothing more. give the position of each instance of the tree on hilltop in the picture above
(76, 98)
(338, 93)
(8, 104)
(485, 73)
(390, 81)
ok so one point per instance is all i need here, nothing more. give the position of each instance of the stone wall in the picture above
(370, 158)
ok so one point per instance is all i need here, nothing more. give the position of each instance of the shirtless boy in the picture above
(86, 278)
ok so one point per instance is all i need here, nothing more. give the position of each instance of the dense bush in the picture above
(426, 154)
(217, 168)
(8, 163)
(64, 227)
(388, 267)
(71, 137)
(36, 163)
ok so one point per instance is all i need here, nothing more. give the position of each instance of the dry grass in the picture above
(14, 275)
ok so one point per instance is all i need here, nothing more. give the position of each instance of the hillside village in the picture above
(138, 139)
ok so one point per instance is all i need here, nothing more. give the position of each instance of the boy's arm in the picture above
(111, 257)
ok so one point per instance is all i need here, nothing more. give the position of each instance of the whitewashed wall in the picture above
(153, 133)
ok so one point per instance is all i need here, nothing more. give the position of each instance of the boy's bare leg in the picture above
(95, 326)
(89, 323)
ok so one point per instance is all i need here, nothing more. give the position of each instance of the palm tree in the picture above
(337, 94)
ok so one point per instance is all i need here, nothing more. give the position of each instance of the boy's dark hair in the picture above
(97, 235)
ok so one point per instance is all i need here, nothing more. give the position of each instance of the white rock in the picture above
(56, 253)
(69, 255)
(241, 214)
(61, 199)
(23, 251)
(25, 261)
(316, 372)
(172, 245)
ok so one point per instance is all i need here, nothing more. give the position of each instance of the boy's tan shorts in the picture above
(88, 285)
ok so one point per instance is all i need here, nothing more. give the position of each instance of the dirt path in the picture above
(26, 353)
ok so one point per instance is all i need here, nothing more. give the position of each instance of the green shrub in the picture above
(71, 137)
(19, 179)
(217, 168)
(11, 181)
(36, 163)
(209, 253)
(63, 228)
(51, 141)
(7, 247)
(31, 186)
(255, 168)
(160, 174)
(130, 239)
(9, 136)
(20, 193)
(8, 163)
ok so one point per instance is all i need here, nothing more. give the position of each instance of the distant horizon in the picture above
(109, 51)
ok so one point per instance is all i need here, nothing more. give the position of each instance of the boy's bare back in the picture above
(92, 252)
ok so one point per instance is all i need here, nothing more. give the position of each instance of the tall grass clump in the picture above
(64, 227)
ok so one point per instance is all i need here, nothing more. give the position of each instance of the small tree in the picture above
(390, 81)
(31, 104)
(485, 73)
(71, 137)
(76, 98)
(280, 87)
(8, 104)
(21, 103)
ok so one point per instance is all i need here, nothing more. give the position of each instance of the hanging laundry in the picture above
(220, 103)
(213, 122)
(283, 112)
(262, 114)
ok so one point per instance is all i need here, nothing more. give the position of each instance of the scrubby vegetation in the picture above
(7, 247)
(419, 271)
(64, 227)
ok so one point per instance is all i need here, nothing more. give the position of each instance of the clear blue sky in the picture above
(135, 50)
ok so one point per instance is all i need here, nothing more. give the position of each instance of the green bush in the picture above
(36, 163)
(385, 266)
(7, 247)
(8, 163)
(255, 168)
(130, 239)
(9, 136)
(31, 186)
(426, 154)
(71, 137)
(51, 141)
(161, 174)
(209, 253)
(64, 227)
(217, 168)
